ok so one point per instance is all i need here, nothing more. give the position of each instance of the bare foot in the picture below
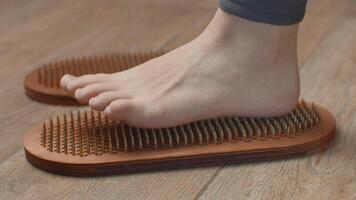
(235, 67)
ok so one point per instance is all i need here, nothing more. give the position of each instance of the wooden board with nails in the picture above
(91, 144)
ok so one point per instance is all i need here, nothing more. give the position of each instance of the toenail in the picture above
(92, 101)
(70, 85)
(65, 79)
(107, 110)
(78, 93)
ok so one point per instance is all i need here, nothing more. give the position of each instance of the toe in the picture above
(84, 94)
(104, 99)
(65, 80)
(119, 109)
(82, 81)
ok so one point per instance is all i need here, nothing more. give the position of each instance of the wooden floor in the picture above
(37, 31)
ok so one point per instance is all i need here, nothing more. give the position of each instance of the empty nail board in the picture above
(86, 143)
(43, 83)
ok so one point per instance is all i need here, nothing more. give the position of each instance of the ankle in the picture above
(244, 39)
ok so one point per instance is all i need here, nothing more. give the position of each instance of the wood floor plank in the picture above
(26, 182)
(328, 78)
(320, 16)
(41, 31)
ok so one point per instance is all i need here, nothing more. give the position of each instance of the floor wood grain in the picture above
(33, 32)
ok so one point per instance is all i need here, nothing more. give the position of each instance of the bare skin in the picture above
(234, 67)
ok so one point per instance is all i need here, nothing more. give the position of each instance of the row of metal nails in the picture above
(90, 132)
(49, 75)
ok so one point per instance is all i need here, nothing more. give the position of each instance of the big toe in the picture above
(65, 80)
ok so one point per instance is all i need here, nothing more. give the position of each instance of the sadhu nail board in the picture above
(86, 143)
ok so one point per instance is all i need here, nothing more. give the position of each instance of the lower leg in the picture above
(260, 52)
